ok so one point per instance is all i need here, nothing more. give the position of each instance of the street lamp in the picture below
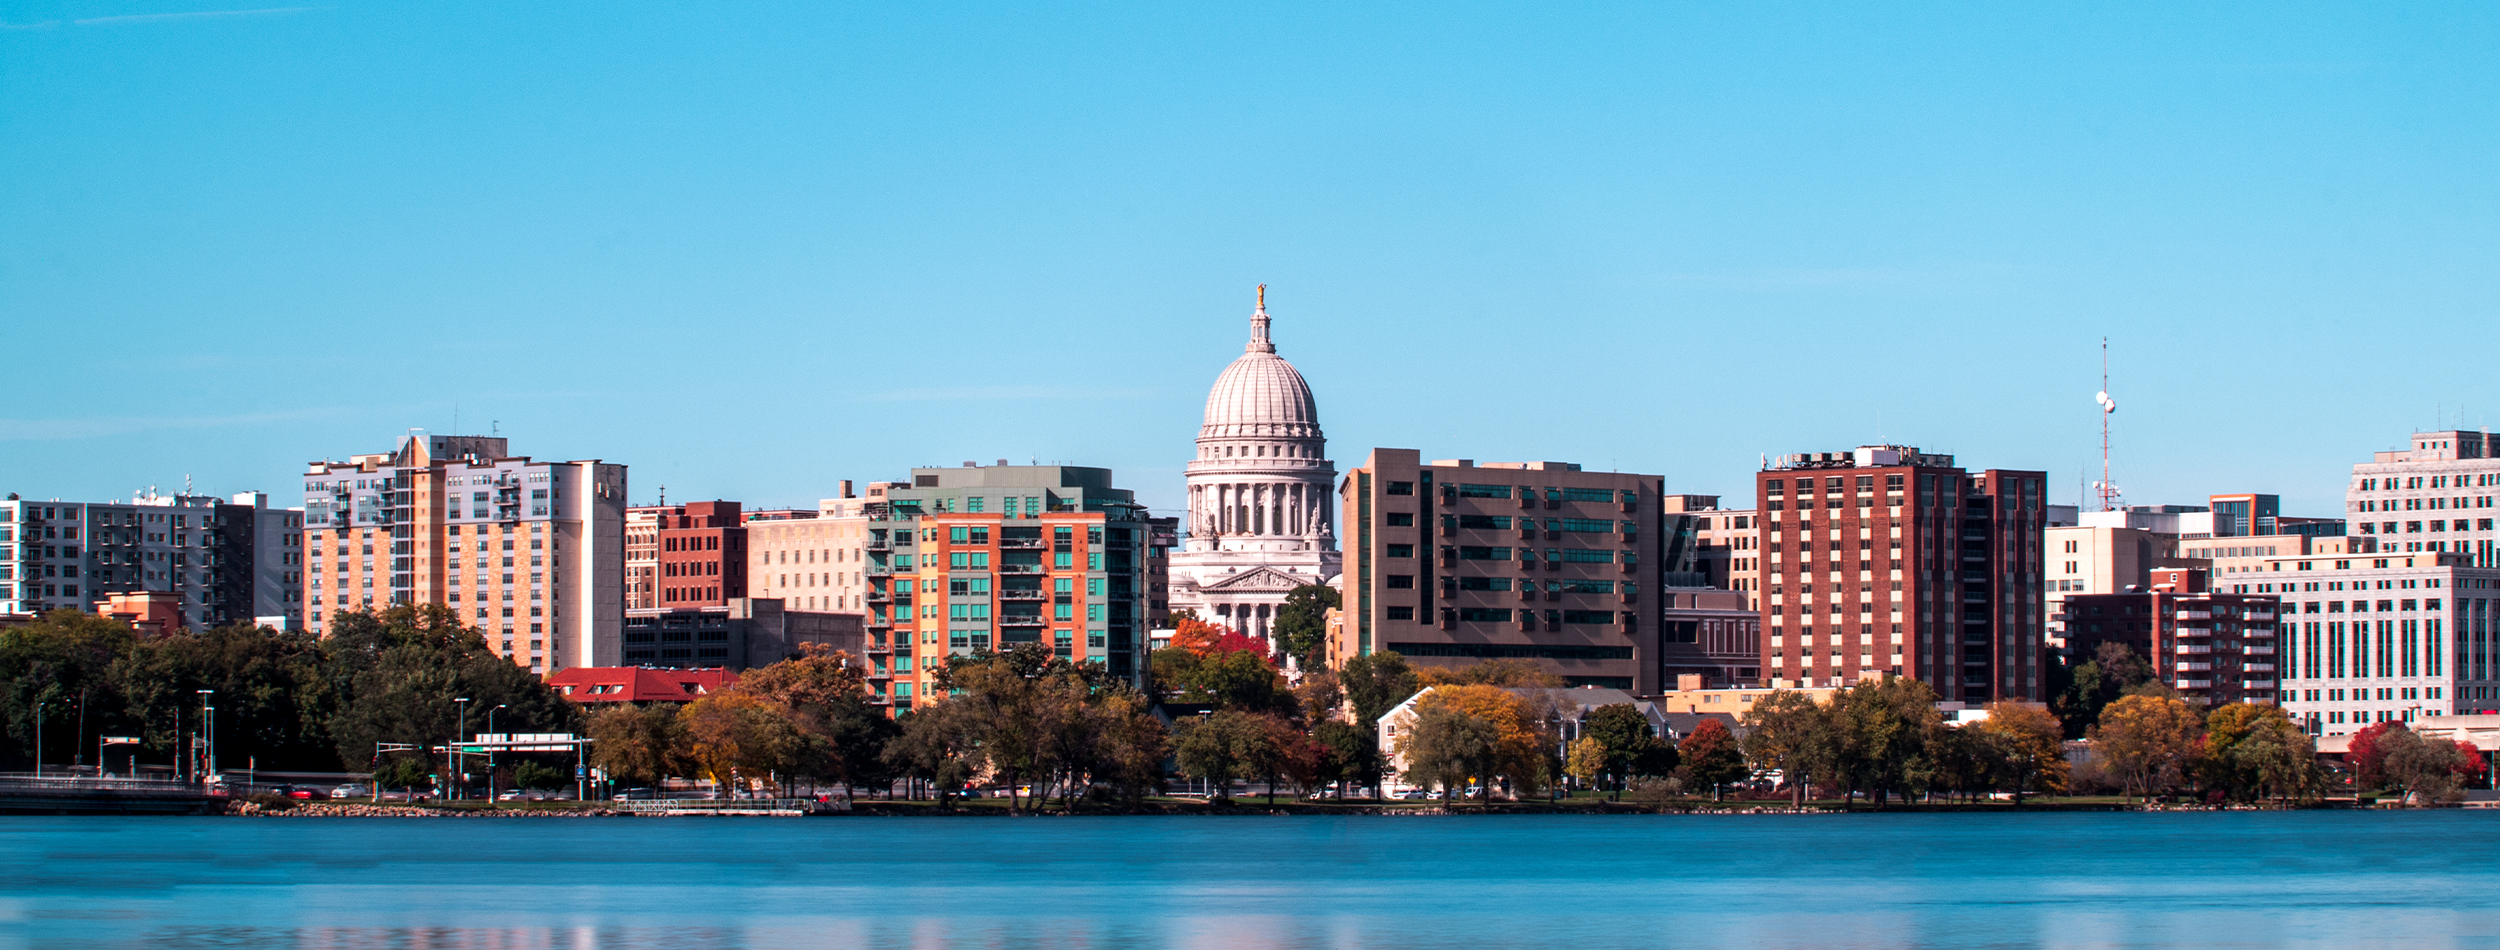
(455, 746)
(490, 753)
(38, 738)
(208, 729)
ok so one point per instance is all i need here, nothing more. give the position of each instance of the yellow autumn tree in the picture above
(2146, 739)
(1521, 740)
(2032, 744)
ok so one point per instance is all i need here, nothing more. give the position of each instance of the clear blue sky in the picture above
(753, 250)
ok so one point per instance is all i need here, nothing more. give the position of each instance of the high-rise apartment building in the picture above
(1886, 560)
(531, 553)
(2214, 648)
(1728, 552)
(222, 561)
(962, 560)
(1451, 562)
(2435, 498)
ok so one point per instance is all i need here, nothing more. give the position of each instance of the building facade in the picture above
(742, 634)
(964, 560)
(2435, 498)
(220, 560)
(1710, 633)
(1261, 494)
(1888, 561)
(2386, 635)
(1455, 562)
(531, 553)
(2213, 647)
(684, 557)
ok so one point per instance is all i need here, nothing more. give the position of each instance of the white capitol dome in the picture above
(1260, 394)
(1261, 492)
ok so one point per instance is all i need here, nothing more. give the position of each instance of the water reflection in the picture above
(1874, 882)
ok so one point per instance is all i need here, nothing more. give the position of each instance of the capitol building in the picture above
(1261, 494)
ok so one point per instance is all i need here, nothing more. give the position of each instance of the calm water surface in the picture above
(2343, 880)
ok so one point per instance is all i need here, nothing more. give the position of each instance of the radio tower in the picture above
(2107, 489)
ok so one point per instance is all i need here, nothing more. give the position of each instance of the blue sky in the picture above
(753, 250)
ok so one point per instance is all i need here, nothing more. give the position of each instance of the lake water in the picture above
(2328, 879)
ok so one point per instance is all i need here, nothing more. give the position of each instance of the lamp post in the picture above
(455, 746)
(490, 753)
(208, 731)
(38, 738)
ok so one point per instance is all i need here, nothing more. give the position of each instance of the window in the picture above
(1588, 616)
(1583, 556)
(1401, 582)
(1401, 488)
(1485, 522)
(1401, 613)
(1400, 519)
(1480, 553)
(1401, 550)
(1593, 525)
(1484, 583)
(1600, 495)
(1484, 614)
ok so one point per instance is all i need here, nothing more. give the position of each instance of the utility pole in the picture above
(490, 753)
(455, 748)
(2108, 488)
(38, 738)
(208, 731)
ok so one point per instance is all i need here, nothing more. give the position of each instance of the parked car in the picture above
(1416, 794)
(302, 794)
(351, 791)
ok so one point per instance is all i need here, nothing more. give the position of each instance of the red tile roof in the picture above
(638, 684)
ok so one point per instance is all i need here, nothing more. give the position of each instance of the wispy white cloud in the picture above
(37, 25)
(199, 15)
(1003, 394)
(49, 430)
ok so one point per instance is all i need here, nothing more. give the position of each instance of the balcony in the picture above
(2193, 667)
(2192, 684)
(1031, 621)
(1022, 544)
(2257, 651)
(1033, 595)
(2194, 631)
(2191, 649)
(2193, 615)
(2256, 667)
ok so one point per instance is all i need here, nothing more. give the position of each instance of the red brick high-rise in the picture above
(1885, 560)
(694, 555)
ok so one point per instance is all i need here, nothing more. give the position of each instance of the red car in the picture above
(306, 794)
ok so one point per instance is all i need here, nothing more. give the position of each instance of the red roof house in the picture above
(638, 684)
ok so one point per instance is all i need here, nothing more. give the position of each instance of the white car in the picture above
(351, 791)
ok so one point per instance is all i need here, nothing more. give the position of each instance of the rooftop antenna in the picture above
(186, 483)
(495, 427)
(2107, 489)
(663, 496)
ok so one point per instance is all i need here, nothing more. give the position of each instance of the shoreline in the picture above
(1286, 809)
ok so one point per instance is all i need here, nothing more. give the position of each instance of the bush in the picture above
(536, 776)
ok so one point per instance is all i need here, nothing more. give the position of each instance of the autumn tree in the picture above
(935, 747)
(731, 737)
(1711, 757)
(2029, 742)
(1350, 755)
(1226, 745)
(1521, 731)
(1448, 746)
(1586, 761)
(2081, 691)
(1505, 672)
(1878, 734)
(2146, 739)
(2278, 756)
(2367, 754)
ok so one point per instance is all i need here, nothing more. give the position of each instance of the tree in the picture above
(2427, 771)
(533, 775)
(1302, 622)
(1878, 732)
(1521, 732)
(402, 773)
(731, 736)
(1351, 754)
(1506, 672)
(2084, 690)
(1965, 762)
(2145, 739)
(934, 748)
(1229, 744)
(1711, 757)
(1320, 696)
(1375, 683)
(1784, 733)
(1203, 639)
(2367, 755)
(1448, 746)
(1631, 746)
(1587, 761)
(2030, 742)
(636, 745)
(2281, 757)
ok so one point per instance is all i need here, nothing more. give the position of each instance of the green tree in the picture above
(534, 775)
(1302, 622)
(64, 661)
(1632, 746)
(2081, 691)
(935, 748)
(1711, 757)
(1964, 761)
(1229, 744)
(2427, 771)
(1350, 754)
(1879, 732)
(1375, 683)
(1786, 732)
(1448, 746)
(2282, 757)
